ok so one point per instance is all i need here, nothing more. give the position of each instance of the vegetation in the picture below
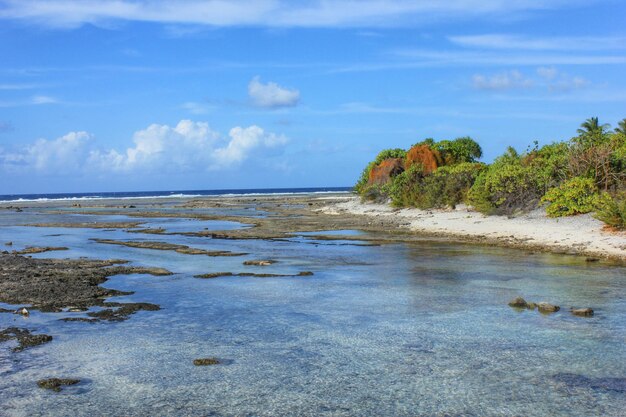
(612, 210)
(584, 174)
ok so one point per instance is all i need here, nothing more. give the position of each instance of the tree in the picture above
(621, 127)
(591, 133)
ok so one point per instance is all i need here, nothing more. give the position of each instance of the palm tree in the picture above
(621, 127)
(591, 127)
(591, 133)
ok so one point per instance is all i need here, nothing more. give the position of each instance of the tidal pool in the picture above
(398, 330)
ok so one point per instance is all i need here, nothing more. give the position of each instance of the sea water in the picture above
(419, 329)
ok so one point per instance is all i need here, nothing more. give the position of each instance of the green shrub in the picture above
(505, 187)
(548, 165)
(404, 189)
(389, 153)
(612, 210)
(576, 196)
(360, 185)
(459, 150)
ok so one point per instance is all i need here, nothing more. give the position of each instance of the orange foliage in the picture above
(422, 154)
(387, 169)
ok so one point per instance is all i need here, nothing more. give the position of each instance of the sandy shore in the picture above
(577, 234)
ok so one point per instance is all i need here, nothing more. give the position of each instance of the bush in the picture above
(389, 153)
(576, 196)
(612, 210)
(505, 187)
(459, 150)
(404, 189)
(361, 184)
(548, 165)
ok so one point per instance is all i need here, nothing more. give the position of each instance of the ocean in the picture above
(167, 194)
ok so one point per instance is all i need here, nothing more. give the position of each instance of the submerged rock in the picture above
(547, 308)
(24, 338)
(55, 384)
(121, 313)
(583, 312)
(206, 361)
(260, 262)
(518, 302)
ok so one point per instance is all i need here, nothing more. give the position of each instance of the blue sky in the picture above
(154, 95)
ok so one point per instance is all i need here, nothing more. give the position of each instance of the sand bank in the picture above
(577, 234)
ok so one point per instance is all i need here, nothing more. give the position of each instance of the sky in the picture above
(128, 95)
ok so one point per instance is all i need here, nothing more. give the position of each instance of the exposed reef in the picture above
(24, 337)
(168, 246)
(53, 284)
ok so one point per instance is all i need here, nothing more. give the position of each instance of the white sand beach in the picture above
(580, 234)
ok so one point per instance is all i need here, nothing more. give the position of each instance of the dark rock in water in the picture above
(51, 285)
(122, 312)
(23, 337)
(9, 243)
(547, 308)
(518, 302)
(82, 319)
(55, 384)
(260, 262)
(597, 384)
(592, 259)
(206, 361)
(583, 312)
(305, 273)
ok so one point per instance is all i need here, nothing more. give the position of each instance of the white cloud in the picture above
(501, 41)
(63, 155)
(197, 108)
(271, 95)
(549, 78)
(187, 147)
(243, 140)
(44, 100)
(503, 81)
(549, 73)
(269, 13)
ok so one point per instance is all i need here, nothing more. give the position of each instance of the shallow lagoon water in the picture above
(402, 329)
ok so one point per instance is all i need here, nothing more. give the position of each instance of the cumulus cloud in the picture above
(243, 140)
(63, 155)
(187, 147)
(502, 81)
(271, 95)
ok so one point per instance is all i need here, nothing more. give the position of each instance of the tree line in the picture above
(586, 173)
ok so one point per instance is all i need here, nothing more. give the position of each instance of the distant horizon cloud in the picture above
(276, 13)
(552, 43)
(271, 95)
(502, 81)
(550, 78)
(189, 146)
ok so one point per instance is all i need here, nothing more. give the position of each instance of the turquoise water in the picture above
(402, 329)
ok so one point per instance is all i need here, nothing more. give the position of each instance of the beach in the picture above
(582, 234)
